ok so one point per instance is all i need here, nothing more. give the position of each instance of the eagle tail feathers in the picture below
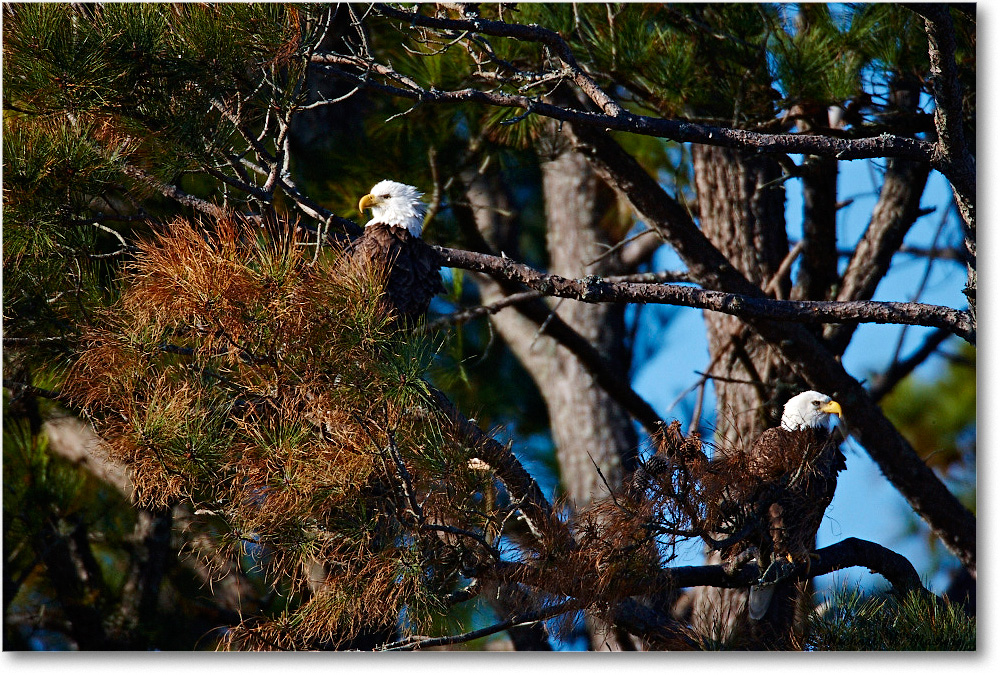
(758, 600)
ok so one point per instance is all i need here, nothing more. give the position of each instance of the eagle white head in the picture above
(396, 205)
(810, 409)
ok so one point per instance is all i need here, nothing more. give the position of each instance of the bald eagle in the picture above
(793, 473)
(391, 241)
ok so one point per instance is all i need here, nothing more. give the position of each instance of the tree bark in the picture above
(745, 221)
(588, 426)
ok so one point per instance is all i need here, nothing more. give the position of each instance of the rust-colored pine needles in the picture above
(278, 397)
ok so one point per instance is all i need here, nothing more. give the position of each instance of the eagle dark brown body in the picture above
(796, 476)
(790, 482)
(766, 501)
(413, 269)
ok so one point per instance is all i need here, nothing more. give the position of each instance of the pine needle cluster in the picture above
(680, 493)
(274, 393)
(855, 621)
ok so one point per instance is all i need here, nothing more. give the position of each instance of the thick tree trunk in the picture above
(588, 426)
(745, 221)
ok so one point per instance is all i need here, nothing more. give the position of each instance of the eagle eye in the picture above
(815, 404)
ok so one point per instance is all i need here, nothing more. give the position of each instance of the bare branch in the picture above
(466, 315)
(595, 289)
(884, 145)
(22, 388)
(421, 642)
(884, 383)
(175, 193)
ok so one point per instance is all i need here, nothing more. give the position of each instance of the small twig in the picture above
(402, 114)
(730, 380)
(774, 285)
(464, 594)
(475, 536)
(931, 259)
(622, 243)
(328, 101)
(883, 384)
(423, 642)
(435, 201)
(696, 413)
(545, 323)
(519, 118)
(465, 315)
(20, 388)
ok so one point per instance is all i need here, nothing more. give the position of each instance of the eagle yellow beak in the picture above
(832, 407)
(366, 202)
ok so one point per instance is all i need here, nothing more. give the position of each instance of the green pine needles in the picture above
(855, 621)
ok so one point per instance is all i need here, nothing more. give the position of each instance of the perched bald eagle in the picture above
(391, 240)
(793, 473)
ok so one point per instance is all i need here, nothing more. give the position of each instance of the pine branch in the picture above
(595, 289)
(519, 483)
(884, 145)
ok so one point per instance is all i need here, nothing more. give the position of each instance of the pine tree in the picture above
(179, 184)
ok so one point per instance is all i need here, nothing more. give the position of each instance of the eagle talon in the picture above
(779, 570)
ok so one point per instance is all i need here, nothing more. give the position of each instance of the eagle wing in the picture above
(796, 475)
(412, 268)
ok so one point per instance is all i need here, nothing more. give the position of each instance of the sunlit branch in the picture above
(595, 289)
